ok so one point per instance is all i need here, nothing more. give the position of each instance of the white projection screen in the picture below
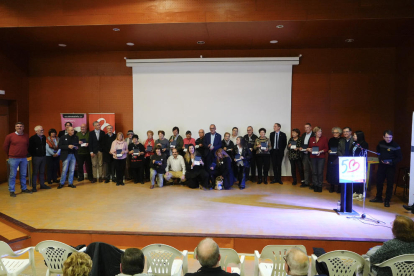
(194, 93)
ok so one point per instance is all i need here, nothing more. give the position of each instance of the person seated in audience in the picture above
(179, 142)
(227, 145)
(234, 134)
(65, 131)
(188, 141)
(119, 151)
(175, 168)
(208, 255)
(199, 144)
(69, 145)
(243, 163)
(149, 151)
(318, 158)
(132, 262)
(262, 156)
(77, 264)
(52, 156)
(163, 143)
(332, 173)
(158, 163)
(222, 169)
(403, 243)
(295, 156)
(194, 171)
(137, 159)
(296, 262)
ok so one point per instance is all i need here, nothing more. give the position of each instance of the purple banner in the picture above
(77, 119)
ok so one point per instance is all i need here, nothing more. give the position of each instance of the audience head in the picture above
(39, 130)
(97, 125)
(84, 128)
(318, 131)
(175, 152)
(120, 136)
(249, 130)
(78, 264)
(277, 127)
(110, 129)
(226, 136)
(235, 131)
(213, 128)
(135, 138)
(403, 228)
(158, 150)
(296, 262)
(52, 132)
(308, 128)
(132, 261)
(188, 134)
(150, 134)
(68, 124)
(201, 133)
(176, 131)
(19, 127)
(70, 131)
(295, 132)
(347, 132)
(388, 136)
(130, 133)
(336, 131)
(240, 141)
(208, 253)
(262, 132)
(359, 136)
(161, 134)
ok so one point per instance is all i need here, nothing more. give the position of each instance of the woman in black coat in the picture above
(332, 174)
(136, 159)
(359, 139)
(242, 162)
(223, 169)
(194, 171)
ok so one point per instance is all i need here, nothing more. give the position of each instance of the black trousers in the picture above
(296, 164)
(110, 169)
(138, 173)
(385, 172)
(52, 168)
(277, 158)
(263, 165)
(194, 179)
(120, 165)
(39, 164)
(242, 173)
(84, 159)
(317, 171)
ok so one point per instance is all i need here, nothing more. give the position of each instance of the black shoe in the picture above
(259, 181)
(92, 180)
(136, 182)
(12, 194)
(265, 181)
(280, 182)
(315, 189)
(379, 200)
(332, 189)
(107, 181)
(241, 187)
(114, 179)
(27, 191)
(60, 187)
(80, 179)
(273, 181)
(303, 185)
(294, 182)
(338, 189)
(319, 189)
(407, 207)
(386, 204)
(117, 184)
(72, 186)
(45, 187)
(34, 190)
(311, 187)
(50, 182)
(142, 182)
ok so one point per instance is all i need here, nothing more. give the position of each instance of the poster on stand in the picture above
(105, 119)
(77, 119)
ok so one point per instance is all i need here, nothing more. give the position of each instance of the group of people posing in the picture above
(208, 162)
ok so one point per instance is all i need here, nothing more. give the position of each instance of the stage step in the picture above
(9, 234)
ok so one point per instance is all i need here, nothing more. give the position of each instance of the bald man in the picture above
(296, 262)
(199, 143)
(208, 254)
(83, 154)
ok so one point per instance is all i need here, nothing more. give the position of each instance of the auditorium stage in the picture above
(265, 212)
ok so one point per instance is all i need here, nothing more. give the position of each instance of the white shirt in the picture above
(18, 133)
(213, 136)
(308, 135)
(233, 138)
(97, 132)
(175, 164)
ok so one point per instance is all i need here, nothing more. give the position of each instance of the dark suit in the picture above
(250, 143)
(277, 153)
(242, 171)
(214, 271)
(210, 154)
(96, 146)
(63, 132)
(307, 165)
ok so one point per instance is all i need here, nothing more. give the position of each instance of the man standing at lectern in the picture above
(390, 155)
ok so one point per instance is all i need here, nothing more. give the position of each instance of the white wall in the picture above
(193, 95)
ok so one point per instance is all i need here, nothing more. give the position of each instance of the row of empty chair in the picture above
(165, 260)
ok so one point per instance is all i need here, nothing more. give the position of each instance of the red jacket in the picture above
(322, 144)
(16, 146)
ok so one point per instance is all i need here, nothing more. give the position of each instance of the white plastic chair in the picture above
(13, 267)
(229, 256)
(341, 263)
(275, 253)
(399, 265)
(165, 260)
(55, 254)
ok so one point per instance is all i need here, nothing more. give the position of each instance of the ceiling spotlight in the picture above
(349, 40)
(279, 26)
(62, 45)
(130, 44)
(116, 29)
(274, 41)
(200, 42)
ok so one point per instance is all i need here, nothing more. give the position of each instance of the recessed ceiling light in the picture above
(116, 29)
(274, 41)
(130, 44)
(279, 26)
(62, 45)
(200, 42)
(349, 40)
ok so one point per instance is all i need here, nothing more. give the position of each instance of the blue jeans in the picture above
(14, 164)
(69, 163)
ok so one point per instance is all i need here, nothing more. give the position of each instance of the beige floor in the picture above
(272, 209)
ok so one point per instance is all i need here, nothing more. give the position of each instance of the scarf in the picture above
(51, 143)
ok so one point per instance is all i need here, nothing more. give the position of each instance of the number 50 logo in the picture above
(351, 169)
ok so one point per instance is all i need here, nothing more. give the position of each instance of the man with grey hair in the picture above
(208, 254)
(96, 143)
(37, 149)
(296, 262)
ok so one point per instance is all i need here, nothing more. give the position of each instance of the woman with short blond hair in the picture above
(78, 264)
(119, 150)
